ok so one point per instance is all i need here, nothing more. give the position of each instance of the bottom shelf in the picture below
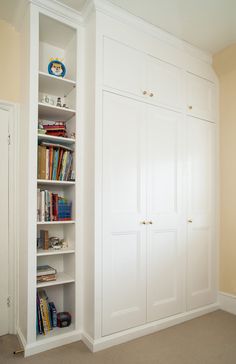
(55, 332)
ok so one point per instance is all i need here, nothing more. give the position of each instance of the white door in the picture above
(166, 234)
(201, 245)
(4, 223)
(201, 96)
(164, 83)
(124, 207)
(123, 67)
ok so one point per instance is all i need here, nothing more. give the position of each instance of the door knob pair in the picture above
(146, 222)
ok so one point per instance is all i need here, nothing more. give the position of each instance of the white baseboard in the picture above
(227, 302)
(48, 343)
(150, 328)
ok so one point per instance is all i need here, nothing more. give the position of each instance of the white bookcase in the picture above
(50, 35)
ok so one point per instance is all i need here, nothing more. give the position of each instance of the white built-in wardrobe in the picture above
(158, 182)
(143, 237)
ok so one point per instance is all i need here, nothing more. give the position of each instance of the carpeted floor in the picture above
(210, 339)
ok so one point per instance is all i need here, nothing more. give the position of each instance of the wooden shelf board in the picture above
(62, 278)
(55, 222)
(46, 137)
(42, 252)
(51, 112)
(52, 182)
(57, 331)
(53, 85)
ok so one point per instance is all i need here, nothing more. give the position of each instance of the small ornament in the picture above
(59, 102)
(56, 68)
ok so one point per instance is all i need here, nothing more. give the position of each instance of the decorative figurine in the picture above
(56, 68)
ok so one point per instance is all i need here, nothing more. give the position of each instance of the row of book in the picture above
(54, 162)
(52, 207)
(46, 314)
(46, 273)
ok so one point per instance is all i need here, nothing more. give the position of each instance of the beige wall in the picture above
(9, 63)
(225, 66)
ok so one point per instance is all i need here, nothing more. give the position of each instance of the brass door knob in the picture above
(143, 222)
(190, 220)
(150, 222)
(151, 94)
(190, 107)
(144, 92)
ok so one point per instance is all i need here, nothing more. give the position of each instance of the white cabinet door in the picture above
(201, 96)
(123, 67)
(124, 237)
(166, 234)
(201, 196)
(164, 83)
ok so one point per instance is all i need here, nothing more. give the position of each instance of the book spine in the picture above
(39, 318)
(47, 163)
(42, 204)
(38, 204)
(44, 321)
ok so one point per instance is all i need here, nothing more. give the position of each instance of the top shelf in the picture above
(53, 85)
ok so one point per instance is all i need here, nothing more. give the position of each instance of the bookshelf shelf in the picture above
(62, 278)
(63, 332)
(55, 222)
(44, 253)
(52, 85)
(50, 112)
(44, 137)
(55, 183)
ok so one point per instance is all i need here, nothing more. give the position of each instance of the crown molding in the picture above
(107, 8)
(60, 9)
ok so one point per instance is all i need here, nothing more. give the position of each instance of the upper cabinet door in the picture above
(124, 208)
(201, 96)
(164, 83)
(166, 232)
(201, 257)
(123, 67)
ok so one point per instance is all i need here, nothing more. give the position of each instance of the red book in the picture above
(59, 163)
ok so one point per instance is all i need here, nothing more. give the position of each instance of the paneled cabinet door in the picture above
(164, 83)
(201, 96)
(201, 247)
(123, 67)
(124, 236)
(166, 231)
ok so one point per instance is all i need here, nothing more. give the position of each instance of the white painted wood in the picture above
(53, 85)
(4, 241)
(227, 302)
(201, 96)
(164, 83)
(165, 210)
(44, 137)
(201, 237)
(125, 73)
(124, 208)
(49, 112)
(147, 329)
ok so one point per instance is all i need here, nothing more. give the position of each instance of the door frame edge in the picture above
(13, 109)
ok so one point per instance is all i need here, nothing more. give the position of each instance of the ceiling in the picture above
(207, 24)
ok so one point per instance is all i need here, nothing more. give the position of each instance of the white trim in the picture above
(227, 302)
(150, 328)
(13, 110)
(50, 342)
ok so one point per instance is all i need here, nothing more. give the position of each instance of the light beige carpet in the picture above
(210, 339)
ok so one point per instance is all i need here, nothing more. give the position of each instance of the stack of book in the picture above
(56, 129)
(46, 314)
(52, 207)
(54, 162)
(46, 273)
